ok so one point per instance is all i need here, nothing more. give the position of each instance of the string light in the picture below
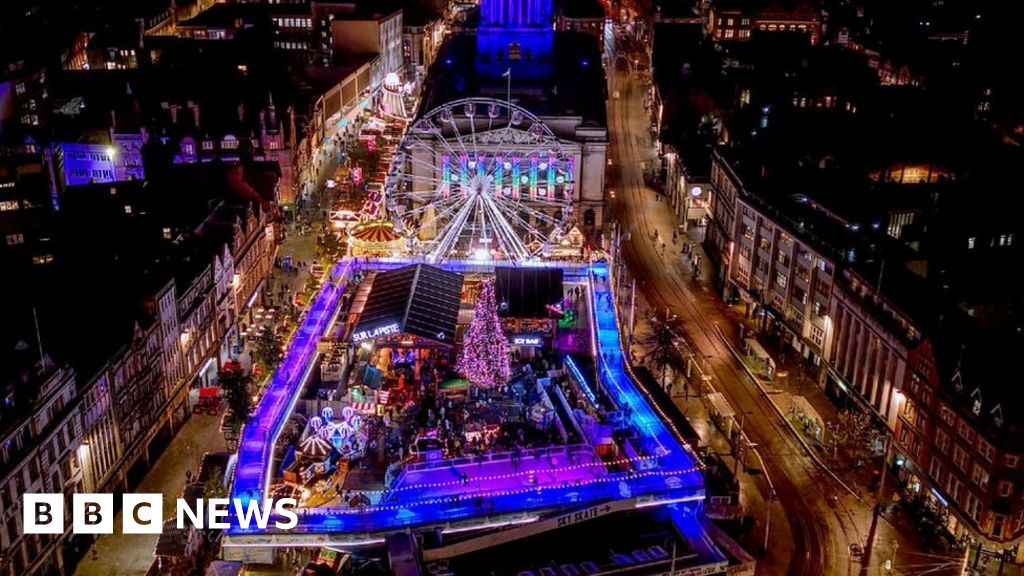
(485, 343)
(261, 432)
(484, 356)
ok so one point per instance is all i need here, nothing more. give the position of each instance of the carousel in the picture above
(374, 238)
(319, 462)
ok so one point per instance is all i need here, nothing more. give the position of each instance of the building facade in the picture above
(357, 32)
(783, 276)
(938, 391)
(421, 38)
(42, 452)
(719, 241)
(738, 21)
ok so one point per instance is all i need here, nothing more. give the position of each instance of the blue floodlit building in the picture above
(516, 35)
(515, 53)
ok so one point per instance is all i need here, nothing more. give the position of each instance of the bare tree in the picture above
(660, 344)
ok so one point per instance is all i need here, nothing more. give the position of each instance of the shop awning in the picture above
(418, 300)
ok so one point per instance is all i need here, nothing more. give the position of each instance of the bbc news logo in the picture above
(143, 513)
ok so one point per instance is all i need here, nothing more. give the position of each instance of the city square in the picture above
(510, 288)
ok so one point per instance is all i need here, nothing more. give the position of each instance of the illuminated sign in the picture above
(532, 340)
(371, 333)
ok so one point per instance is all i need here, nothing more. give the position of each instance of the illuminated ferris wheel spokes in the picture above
(481, 178)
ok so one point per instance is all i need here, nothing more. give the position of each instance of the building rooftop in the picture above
(320, 79)
(416, 13)
(589, 9)
(418, 300)
(363, 10)
(113, 246)
(687, 72)
(83, 101)
(527, 292)
(575, 85)
(677, 9)
(771, 7)
(976, 357)
(836, 177)
(237, 15)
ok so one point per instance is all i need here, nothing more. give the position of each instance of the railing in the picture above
(669, 474)
(261, 431)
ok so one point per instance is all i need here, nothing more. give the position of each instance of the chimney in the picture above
(241, 112)
(174, 113)
(263, 123)
(113, 120)
(272, 113)
(195, 114)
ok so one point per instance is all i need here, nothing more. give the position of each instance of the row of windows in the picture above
(729, 34)
(292, 45)
(87, 156)
(782, 27)
(294, 22)
(188, 148)
(1001, 240)
(732, 21)
(95, 173)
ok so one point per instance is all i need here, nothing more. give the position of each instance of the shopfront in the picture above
(404, 333)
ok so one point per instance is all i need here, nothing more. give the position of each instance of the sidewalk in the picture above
(753, 486)
(894, 525)
(130, 555)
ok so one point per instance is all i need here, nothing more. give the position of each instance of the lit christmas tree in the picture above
(484, 357)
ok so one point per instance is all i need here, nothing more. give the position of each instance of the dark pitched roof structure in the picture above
(422, 300)
(526, 292)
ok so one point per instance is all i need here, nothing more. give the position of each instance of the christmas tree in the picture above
(484, 357)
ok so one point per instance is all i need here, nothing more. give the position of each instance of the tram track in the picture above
(819, 533)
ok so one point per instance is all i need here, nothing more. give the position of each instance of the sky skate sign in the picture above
(592, 513)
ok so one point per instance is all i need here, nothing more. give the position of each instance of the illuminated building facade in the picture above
(515, 54)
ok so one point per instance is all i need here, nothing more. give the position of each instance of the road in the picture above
(817, 520)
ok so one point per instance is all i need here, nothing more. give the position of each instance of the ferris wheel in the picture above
(481, 178)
